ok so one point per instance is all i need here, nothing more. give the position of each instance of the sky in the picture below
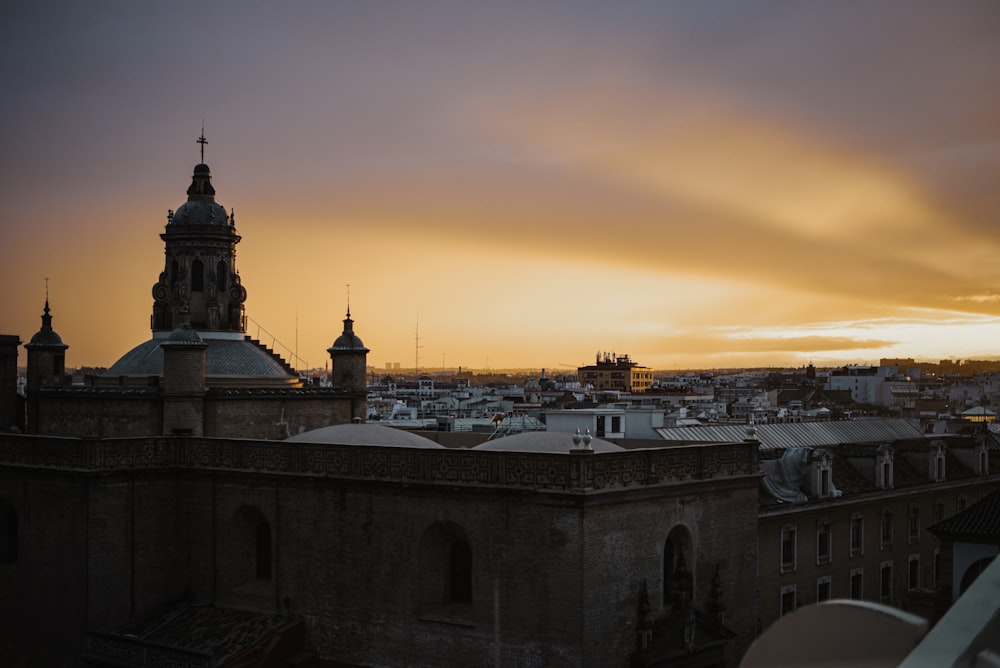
(517, 184)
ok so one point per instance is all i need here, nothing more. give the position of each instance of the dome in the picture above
(544, 441)
(348, 341)
(228, 360)
(200, 207)
(46, 337)
(364, 434)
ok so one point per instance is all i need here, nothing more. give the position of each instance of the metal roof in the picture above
(799, 434)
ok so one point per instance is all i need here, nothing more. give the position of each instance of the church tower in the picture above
(199, 284)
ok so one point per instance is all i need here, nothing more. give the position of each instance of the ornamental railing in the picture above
(573, 470)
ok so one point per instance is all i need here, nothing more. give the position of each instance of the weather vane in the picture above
(348, 300)
(46, 289)
(202, 141)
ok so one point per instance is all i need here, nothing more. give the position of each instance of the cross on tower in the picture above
(201, 140)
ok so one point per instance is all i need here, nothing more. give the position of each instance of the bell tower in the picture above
(199, 284)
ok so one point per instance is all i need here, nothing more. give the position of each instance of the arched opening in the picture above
(973, 572)
(251, 555)
(678, 568)
(197, 276)
(8, 533)
(220, 276)
(445, 568)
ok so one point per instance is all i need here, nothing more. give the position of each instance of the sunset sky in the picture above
(696, 184)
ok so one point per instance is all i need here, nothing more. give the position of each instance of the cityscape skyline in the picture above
(697, 186)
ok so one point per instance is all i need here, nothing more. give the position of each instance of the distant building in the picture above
(616, 372)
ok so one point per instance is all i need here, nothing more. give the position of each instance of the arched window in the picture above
(220, 276)
(197, 276)
(445, 570)
(678, 567)
(8, 533)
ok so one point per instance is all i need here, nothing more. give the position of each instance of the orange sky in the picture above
(694, 184)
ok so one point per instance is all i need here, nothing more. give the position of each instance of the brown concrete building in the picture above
(616, 372)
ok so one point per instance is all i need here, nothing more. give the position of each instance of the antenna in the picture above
(46, 289)
(417, 347)
(201, 140)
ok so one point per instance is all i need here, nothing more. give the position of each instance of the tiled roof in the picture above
(980, 520)
(215, 631)
(800, 434)
(224, 357)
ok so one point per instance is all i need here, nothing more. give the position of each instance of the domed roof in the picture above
(364, 434)
(544, 441)
(200, 207)
(230, 359)
(348, 341)
(46, 337)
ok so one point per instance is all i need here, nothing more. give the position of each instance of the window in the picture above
(445, 572)
(197, 276)
(678, 582)
(960, 504)
(857, 534)
(616, 424)
(220, 276)
(886, 529)
(937, 567)
(885, 582)
(823, 542)
(914, 524)
(788, 600)
(938, 510)
(857, 584)
(913, 572)
(823, 589)
(824, 484)
(787, 549)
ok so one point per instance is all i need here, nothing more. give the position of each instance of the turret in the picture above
(184, 382)
(46, 364)
(348, 364)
